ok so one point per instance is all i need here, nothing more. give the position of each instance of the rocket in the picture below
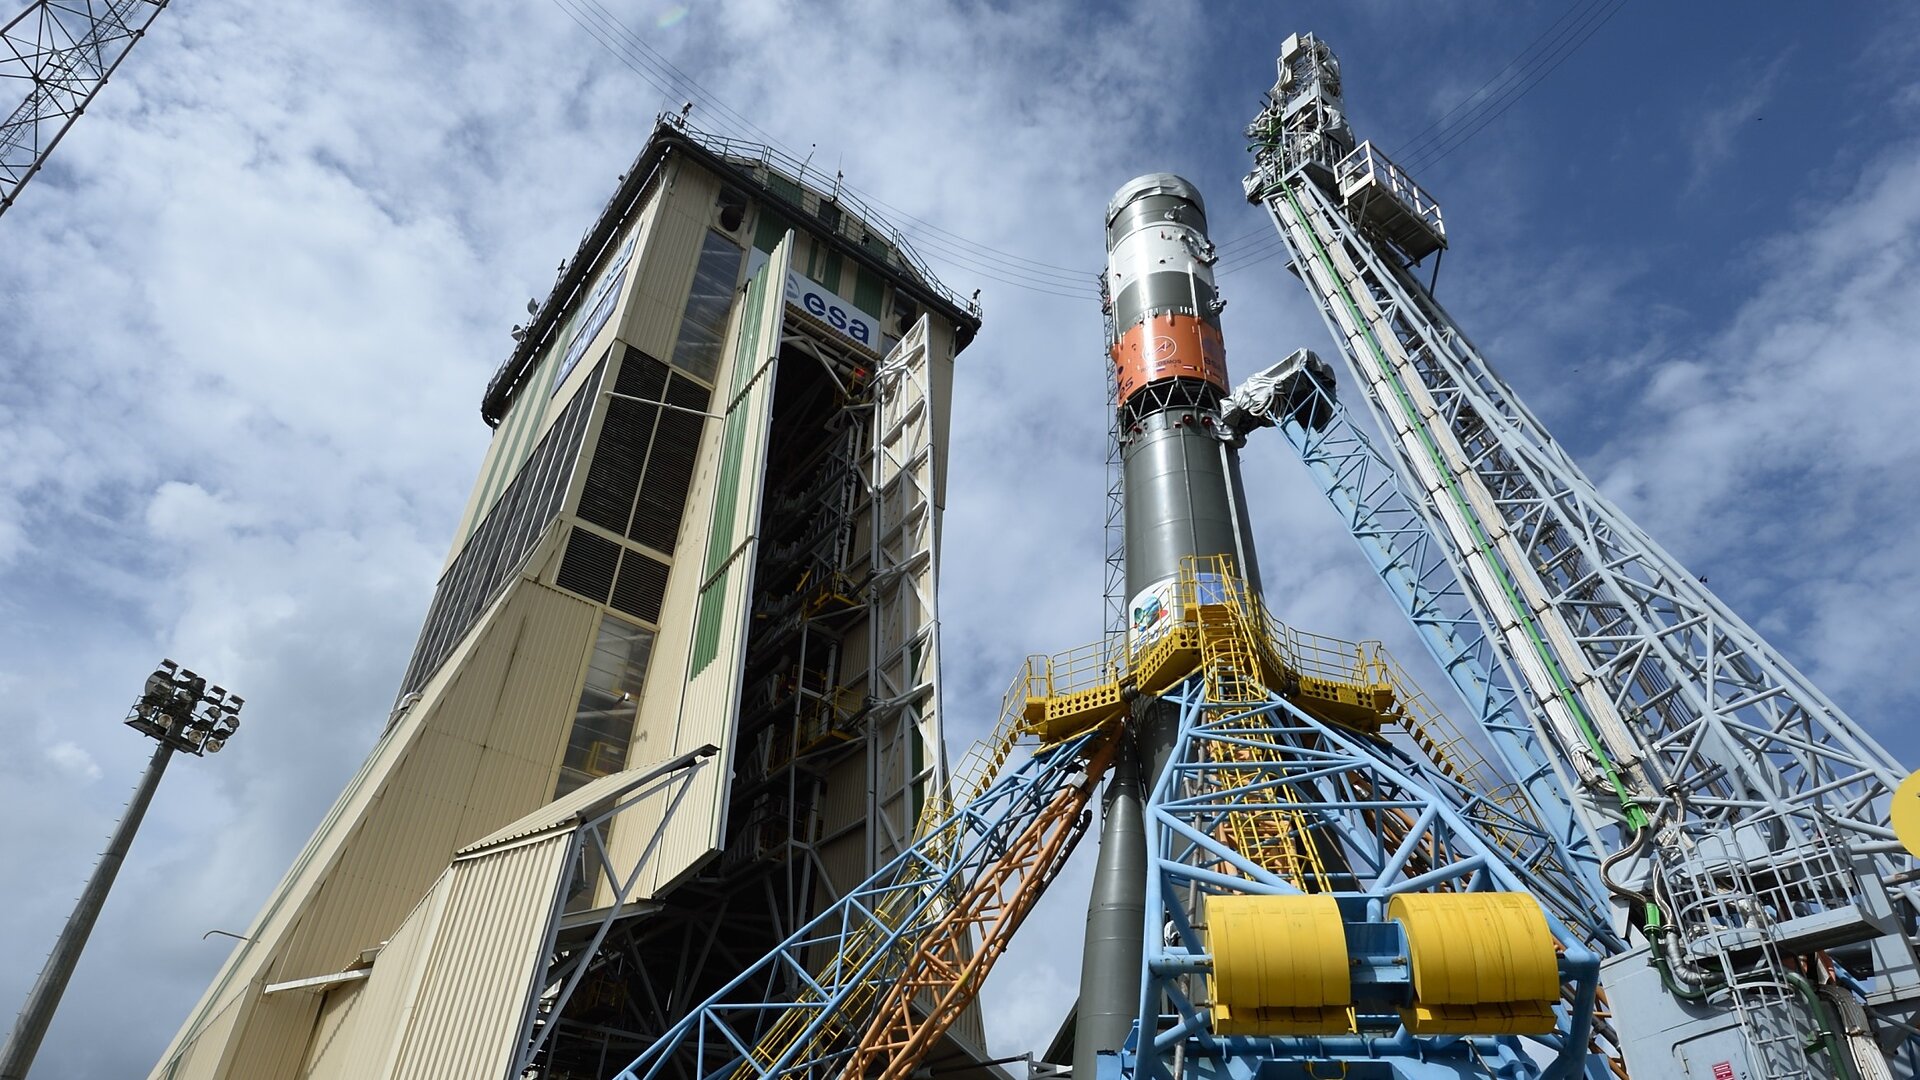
(1183, 497)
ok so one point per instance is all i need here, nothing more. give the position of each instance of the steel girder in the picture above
(1672, 716)
(848, 957)
(1383, 831)
(1360, 484)
(1709, 705)
(58, 54)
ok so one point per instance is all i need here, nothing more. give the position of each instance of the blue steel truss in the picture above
(1360, 483)
(1349, 794)
(800, 1009)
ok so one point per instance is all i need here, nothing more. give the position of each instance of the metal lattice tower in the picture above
(1746, 813)
(59, 53)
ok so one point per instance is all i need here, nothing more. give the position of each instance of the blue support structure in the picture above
(1360, 484)
(802, 1008)
(1377, 832)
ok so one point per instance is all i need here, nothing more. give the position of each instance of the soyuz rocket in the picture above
(1182, 497)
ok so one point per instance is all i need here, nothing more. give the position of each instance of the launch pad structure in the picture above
(706, 537)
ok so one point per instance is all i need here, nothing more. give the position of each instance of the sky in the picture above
(253, 300)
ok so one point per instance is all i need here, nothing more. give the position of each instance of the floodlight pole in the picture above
(179, 711)
(31, 1027)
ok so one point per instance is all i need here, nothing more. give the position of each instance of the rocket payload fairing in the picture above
(1181, 474)
(1183, 497)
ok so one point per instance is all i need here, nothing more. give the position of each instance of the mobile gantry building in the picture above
(678, 685)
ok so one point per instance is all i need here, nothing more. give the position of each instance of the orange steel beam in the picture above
(945, 971)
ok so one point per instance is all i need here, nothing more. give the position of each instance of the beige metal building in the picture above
(678, 686)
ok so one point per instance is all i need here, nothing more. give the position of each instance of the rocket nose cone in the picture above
(1157, 183)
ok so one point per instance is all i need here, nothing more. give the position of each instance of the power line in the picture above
(1525, 71)
(1440, 127)
(1259, 254)
(1443, 124)
(1596, 18)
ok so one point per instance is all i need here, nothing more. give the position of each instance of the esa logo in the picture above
(816, 301)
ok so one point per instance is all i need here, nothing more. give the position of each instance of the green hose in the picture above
(1635, 816)
(1837, 1057)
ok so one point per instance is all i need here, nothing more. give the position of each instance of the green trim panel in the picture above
(726, 506)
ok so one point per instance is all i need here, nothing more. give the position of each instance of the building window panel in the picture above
(602, 728)
(703, 325)
(504, 538)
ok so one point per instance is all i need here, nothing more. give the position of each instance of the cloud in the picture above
(72, 760)
(1713, 132)
(1773, 455)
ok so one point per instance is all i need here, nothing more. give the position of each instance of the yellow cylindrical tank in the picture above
(1279, 965)
(1483, 963)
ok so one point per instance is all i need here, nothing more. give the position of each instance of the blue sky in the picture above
(253, 301)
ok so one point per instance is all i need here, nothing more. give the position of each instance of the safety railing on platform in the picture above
(1368, 165)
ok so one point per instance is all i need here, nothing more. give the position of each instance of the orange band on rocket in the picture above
(1167, 347)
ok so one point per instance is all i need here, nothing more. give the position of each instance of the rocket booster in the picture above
(1182, 492)
(1181, 473)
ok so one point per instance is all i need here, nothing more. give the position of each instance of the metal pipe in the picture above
(1581, 966)
(37, 1013)
(1116, 910)
(1838, 1059)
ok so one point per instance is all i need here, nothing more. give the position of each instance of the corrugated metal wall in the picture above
(478, 751)
(482, 964)
(487, 757)
(447, 993)
(335, 1031)
(685, 210)
(707, 715)
(372, 1033)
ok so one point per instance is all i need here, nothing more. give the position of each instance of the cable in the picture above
(1418, 142)
(1258, 254)
(1059, 284)
(1275, 249)
(1434, 154)
(1429, 134)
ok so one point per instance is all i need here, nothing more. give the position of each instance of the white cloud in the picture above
(1776, 456)
(73, 761)
(1711, 136)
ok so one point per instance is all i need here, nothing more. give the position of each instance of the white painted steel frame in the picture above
(1359, 482)
(60, 53)
(1677, 694)
(903, 617)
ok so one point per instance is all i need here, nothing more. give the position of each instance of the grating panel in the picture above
(663, 492)
(503, 539)
(641, 375)
(618, 454)
(588, 566)
(641, 586)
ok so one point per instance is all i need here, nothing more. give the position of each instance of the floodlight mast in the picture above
(180, 712)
